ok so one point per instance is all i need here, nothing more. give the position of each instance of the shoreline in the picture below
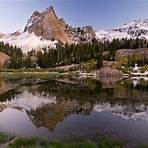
(47, 74)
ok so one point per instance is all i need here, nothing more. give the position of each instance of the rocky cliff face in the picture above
(48, 26)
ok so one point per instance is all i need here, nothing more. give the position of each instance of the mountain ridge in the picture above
(133, 29)
(44, 30)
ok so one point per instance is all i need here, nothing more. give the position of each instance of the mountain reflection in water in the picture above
(61, 110)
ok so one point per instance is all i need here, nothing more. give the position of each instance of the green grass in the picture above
(4, 138)
(35, 143)
(41, 75)
(24, 143)
(15, 142)
(109, 143)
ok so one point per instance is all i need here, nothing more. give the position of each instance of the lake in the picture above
(71, 110)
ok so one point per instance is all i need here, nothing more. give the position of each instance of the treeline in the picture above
(81, 53)
(70, 54)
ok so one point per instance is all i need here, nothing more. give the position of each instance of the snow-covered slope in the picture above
(27, 41)
(132, 29)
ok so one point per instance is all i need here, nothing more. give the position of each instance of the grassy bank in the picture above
(36, 73)
(14, 142)
(33, 143)
(36, 143)
(41, 75)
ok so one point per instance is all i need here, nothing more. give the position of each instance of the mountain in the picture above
(134, 29)
(48, 26)
(45, 29)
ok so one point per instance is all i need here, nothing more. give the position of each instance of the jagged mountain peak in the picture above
(48, 26)
(51, 10)
(134, 29)
(45, 29)
(136, 24)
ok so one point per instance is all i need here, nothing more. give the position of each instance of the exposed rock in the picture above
(88, 30)
(46, 30)
(131, 52)
(67, 67)
(109, 64)
(83, 34)
(17, 33)
(4, 59)
(47, 25)
(109, 72)
(134, 29)
(109, 75)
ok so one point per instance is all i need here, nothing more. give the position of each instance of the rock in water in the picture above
(109, 72)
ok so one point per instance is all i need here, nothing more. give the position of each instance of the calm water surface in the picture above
(85, 109)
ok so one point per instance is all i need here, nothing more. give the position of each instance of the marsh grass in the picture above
(24, 143)
(36, 143)
(41, 75)
(5, 138)
(109, 143)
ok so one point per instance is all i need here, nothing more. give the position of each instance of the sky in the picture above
(101, 14)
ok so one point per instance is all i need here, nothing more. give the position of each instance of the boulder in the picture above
(4, 60)
(109, 72)
(109, 64)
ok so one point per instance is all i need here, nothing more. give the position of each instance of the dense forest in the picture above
(69, 54)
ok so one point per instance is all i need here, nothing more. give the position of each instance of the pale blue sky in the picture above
(101, 14)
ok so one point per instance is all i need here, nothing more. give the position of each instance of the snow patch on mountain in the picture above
(134, 29)
(27, 42)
